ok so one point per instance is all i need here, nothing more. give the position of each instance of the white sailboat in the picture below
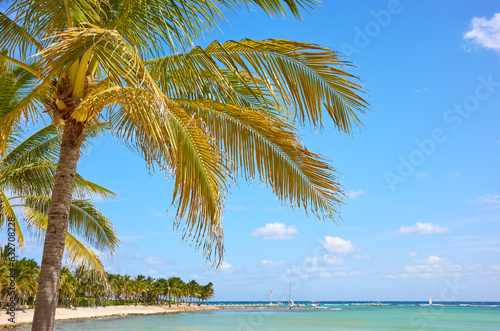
(430, 301)
(290, 301)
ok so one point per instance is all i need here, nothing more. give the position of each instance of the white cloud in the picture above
(354, 194)
(431, 271)
(423, 174)
(271, 264)
(420, 90)
(492, 201)
(306, 273)
(412, 254)
(225, 265)
(332, 260)
(347, 274)
(362, 257)
(156, 260)
(311, 261)
(485, 33)
(496, 267)
(337, 245)
(422, 228)
(434, 260)
(228, 268)
(276, 231)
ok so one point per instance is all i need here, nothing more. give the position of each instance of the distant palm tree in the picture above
(67, 286)
(173, 289)
(206, 292)
(117, 284)
(127, 287)
(206, 115)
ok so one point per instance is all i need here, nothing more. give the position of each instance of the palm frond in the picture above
(198, 164)
(16, 38)
(84, 220)
(42, 18)
(260, 143)
(43, 144)
(276, 7)
(78, 252)
(151, 25)
(20, 98)
(6, 211)
(28, 179)
(305, 76)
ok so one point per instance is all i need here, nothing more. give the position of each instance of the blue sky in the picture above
(423, 218)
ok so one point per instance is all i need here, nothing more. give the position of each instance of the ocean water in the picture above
(327, 316)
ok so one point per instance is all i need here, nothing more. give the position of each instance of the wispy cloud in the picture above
(154, 260)
(276, 231)
(332, 260)
(354, 194)
(434, 260)
(490, 201)
(485, 32)
(422, 228)
(420, 90)
(271, 264)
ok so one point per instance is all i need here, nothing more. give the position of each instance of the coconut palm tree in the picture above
(127, 287)
(207, 292)
(206, 115)
(172, 289)
(67, 286)
(117, 284)
(27, 169)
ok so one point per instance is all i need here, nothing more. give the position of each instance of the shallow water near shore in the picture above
(334, 316)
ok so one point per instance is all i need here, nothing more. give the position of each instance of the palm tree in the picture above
(27, 170)
(203, 114)
(207, 292)
(117, 284)
(172, 289)
(127, 287)
(67, 286)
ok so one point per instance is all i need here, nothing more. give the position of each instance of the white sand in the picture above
(115, 311)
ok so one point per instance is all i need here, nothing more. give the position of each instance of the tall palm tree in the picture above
(172, 289)
(203, 114)
(127, 287)
(117, 284)
(27, 169)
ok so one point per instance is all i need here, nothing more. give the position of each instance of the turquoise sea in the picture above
(326, 316)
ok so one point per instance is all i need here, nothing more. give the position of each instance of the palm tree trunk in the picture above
(53, 249)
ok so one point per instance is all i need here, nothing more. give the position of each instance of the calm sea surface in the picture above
(327, 316)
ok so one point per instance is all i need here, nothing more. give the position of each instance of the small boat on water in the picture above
(290, 301)
(430, 301)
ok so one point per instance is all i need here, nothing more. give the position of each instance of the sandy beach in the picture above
(109, 311)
